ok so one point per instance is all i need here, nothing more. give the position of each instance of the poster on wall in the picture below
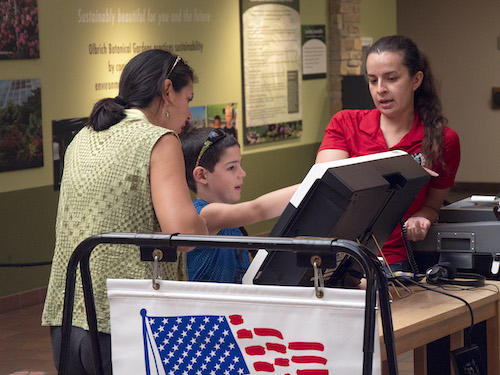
(19, 29)
(198, 118)
(272, 79)
(313, 52)
(223, 116)
(20, 124)
(218, 116)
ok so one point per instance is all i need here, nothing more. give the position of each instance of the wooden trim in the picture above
(21, 300)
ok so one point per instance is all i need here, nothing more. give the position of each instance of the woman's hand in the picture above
(431, 172)
(418, 225)
(417, 228)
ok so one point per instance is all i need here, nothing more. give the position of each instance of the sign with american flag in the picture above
(189, 328)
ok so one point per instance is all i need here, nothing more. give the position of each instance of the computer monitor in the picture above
(359, 199)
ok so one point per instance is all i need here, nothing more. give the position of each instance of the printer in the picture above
(467, 235)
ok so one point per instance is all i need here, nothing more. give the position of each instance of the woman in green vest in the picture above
(124, 172)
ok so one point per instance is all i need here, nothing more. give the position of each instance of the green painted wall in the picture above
(27, 222)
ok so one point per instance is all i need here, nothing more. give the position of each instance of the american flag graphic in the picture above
(189, 328)
(224, 345)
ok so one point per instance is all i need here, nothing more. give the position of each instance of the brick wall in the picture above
(345, 55)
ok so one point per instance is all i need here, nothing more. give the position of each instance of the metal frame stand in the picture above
(375, 277)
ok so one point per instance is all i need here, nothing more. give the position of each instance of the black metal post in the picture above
(376, 281)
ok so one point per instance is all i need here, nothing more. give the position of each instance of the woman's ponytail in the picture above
(106, 113)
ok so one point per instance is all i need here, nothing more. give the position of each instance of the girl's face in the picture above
(227, 178)
(391, 87)
(178, 108)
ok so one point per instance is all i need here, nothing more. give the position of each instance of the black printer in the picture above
(467, 235)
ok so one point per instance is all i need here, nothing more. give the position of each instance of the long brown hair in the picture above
(426, 100)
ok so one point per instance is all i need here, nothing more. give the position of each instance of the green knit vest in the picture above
(105, 188)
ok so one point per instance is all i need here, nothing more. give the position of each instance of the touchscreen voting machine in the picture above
(361, 199)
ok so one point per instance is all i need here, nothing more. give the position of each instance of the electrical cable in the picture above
(468, 333)
(409, 251)
(493, 285)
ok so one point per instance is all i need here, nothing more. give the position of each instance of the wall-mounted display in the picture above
(19, 29)
(20, 124)
(271, 53)
(63, 132)
(198, 117)
(223, 116)
(313, 51)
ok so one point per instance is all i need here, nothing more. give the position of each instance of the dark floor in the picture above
(24, 344)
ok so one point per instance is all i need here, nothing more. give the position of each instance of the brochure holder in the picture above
(306, 247)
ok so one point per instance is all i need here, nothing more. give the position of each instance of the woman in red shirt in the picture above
(407, 117)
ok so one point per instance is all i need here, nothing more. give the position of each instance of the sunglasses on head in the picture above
(213, 137)
(178, 58)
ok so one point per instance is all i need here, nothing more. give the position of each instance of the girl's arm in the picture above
(268, 206)
(169, 191)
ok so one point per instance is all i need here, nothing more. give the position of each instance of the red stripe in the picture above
(268, 332)
(235, 319)
(244, 334)
(308, 359)
(276, 347)
(281, 362)
(306, 346)
(312, 372)
(263, 366)
(255, 350)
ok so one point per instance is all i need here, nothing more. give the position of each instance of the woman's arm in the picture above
(268, 206)
(169, 191)
(418, 224)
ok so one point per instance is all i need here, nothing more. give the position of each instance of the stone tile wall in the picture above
(345, 55)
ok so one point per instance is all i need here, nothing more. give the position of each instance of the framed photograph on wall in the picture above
(19, 30)
(223, 116)
(198, 117)
(21, 143)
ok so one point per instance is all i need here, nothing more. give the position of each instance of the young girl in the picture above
(407, 117)
(214, 173)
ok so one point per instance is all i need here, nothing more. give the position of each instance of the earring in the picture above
(167, 113)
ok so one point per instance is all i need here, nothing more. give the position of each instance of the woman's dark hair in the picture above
(426, 99)
(192, 141)
(141, 81)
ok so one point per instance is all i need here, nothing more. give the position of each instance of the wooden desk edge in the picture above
(485, 308)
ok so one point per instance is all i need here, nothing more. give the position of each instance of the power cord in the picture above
(466, 360)
(409, 251)
(468, 331)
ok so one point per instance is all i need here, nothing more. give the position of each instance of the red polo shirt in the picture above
(358, 132)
